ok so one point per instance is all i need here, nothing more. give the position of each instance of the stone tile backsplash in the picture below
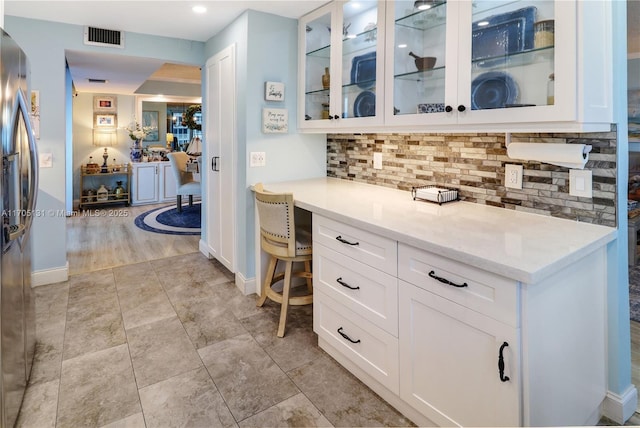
(475, 165)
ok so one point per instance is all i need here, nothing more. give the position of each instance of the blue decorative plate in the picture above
(503, 35)
(494, 89)
(363, 70)
(365, 104)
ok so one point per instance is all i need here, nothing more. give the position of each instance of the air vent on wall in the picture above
(101, 37)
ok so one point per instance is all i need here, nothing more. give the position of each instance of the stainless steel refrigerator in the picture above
(18, 195)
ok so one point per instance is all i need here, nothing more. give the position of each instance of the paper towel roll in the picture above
(568, 155)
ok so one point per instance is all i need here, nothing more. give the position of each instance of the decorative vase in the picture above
(136, 151)
(326, 78)
(119, 191)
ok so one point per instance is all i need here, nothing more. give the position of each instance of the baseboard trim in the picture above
(619, 408)
(50, 276)
(245, 285)
(204, 249)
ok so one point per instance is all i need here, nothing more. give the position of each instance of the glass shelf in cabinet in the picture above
(366, 85)
(323, 52)
(434, 73)
(540, 55)
(317, 92)
(425, 19)
(486, 7)
(360, 42)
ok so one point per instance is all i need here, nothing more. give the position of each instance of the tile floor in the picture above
(172, 342)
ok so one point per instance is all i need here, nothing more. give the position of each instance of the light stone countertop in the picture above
(522, 246)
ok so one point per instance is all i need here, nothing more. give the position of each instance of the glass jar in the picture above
(551, 89)
(102, 194)
(119, 192)
(543, 34)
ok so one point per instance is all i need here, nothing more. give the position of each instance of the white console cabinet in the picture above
(152, 182)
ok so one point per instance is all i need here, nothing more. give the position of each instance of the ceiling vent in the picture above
(101, 37)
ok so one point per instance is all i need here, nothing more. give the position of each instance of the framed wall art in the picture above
(102, 120)
(150, 119)
(105, 104)
(275, 121)
(274, 91)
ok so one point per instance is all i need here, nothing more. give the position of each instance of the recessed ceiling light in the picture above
(402, 46)
(483, 23)
(199, 9)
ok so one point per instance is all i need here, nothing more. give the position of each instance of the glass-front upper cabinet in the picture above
(421, 51)
(481, 62)
(342, 66)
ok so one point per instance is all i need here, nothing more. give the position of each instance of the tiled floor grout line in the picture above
(126, 337)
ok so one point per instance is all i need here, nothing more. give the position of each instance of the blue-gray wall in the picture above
(268, 52)
(45, 44)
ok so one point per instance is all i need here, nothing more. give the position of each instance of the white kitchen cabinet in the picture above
(152, 182)
(344, 42)
(492, 71)
(454, 344)
(449, 359)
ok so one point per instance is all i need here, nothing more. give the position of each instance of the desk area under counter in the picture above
(440, 296)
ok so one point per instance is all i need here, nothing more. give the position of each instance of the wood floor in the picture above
(106, 238)
(101, 239)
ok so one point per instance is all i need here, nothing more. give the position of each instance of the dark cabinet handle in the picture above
(347, 337)
(433, 275)
(461, 108)
(336, 117)
(344, 241)
(503, 378)
(344, 284)
(448, 109)
(214, 163)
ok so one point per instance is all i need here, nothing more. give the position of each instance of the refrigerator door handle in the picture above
(24, 109)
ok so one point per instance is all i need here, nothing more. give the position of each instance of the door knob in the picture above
(461, 108)
(448, 109)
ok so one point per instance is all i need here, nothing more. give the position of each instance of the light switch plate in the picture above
(377, 160)
(581, 183)
(45, 160)
(257, 159)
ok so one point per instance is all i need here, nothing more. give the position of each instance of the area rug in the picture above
(169, 221)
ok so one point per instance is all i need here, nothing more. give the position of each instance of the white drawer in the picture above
(359, 244)
(482, 291)
(374, 350)
(364, 290)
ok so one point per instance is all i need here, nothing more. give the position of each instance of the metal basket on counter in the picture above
(437, 194)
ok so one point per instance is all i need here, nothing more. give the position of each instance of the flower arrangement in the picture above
(137, 131)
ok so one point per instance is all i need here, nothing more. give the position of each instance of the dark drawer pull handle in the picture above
(503, 378)
(344, 241)
(344, 284)
(347, 337)
(433, 275)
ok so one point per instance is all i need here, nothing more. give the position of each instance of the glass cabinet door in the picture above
(419, 62)
(360, 57)
(512, 55)
(317, 67)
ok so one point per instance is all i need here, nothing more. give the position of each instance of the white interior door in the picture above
(221, 157)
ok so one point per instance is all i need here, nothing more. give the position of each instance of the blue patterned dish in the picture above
(363, 70)
(365, 104)
(494, 89)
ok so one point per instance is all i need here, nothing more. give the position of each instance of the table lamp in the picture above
(169, 140)
(105, 137)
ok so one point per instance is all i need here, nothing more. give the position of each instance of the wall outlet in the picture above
(513, 176)
(257, 159)
(377, 160)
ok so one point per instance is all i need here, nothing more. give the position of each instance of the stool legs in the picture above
(286, 288)
(307, 269)
(268, 278)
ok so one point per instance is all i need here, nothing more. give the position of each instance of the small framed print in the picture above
(105, 120)
(275, 121)
(274, 91)
(105, 103)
